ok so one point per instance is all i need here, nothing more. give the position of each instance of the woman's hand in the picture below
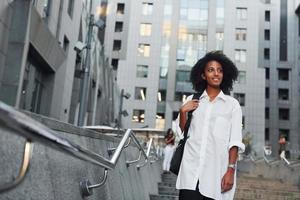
(189, 106)
(227, 180)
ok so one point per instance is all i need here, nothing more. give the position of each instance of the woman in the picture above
(169, 150)
(215, 135)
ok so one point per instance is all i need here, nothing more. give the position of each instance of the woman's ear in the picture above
(203, 76)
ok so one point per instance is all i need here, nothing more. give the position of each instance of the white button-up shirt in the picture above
(216, 126)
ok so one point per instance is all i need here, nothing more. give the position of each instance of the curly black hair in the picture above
(230, 72)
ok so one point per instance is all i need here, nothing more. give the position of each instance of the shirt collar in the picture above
(221, 95)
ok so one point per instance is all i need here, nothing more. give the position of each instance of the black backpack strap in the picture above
(188, 122)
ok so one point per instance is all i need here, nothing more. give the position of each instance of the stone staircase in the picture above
(166, 188)
(249, 188)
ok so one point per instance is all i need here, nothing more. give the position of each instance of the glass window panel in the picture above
(142, 71)
(241, 13)
(240, 55)
(168, 10)
(193, 14)
(144, 50)
(242, 77)
(240, 97)
(147, 8)
(145, 29)
(284, 114)
(140, 93)
(138, 116)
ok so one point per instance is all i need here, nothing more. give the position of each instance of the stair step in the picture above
(163, 197)
(168, 190)
(169, 179)
(258, 183)
(246, 194)
(167, 184)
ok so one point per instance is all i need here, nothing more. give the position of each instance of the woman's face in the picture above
(213, 74)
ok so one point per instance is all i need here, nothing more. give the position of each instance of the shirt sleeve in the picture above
(236, 129)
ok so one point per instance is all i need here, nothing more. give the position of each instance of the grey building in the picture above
(153, 45)
(279, 55)
(41, 72)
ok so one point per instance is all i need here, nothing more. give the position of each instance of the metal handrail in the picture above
(23, 170)
(35, 131)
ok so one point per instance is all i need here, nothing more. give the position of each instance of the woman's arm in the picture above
(235, 145)
(228, 178)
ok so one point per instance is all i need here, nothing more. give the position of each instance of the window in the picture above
(119, 27)
(240, 55)
(267, 113)
(267, 93)
(241, 77)
(181, 96)
(182, 76)
(144, 50)
(240, 34)
(138, 116)
(145, 29)
(283, 74)
(267, 34)
(66, 44)
(161, 95)
(115, 63)
(266, 53)
(33, 87)
(147, 8)
(71, 8)
(240, 97)
(283, 94)
(284, 114)
(160, 121)
(243, 122)
(241, 13)
(286, 133)
(47, 6)
(117, 45)
(142, 71)
(140, 93)
(219, 40)
(120, 8)
(267, 15)
(267, 134)
(267, 73)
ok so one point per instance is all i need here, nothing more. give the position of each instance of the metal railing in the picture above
(34, 131)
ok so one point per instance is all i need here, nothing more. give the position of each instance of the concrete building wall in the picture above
(274, 125)
(64, 77)
(129, 59)
(38, 72)
(5, 15)
(253, 87)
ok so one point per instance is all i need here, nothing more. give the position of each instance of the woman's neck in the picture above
(212, 92)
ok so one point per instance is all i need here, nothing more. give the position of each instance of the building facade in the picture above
(40, 70)
(279, 55)
(159, 43)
